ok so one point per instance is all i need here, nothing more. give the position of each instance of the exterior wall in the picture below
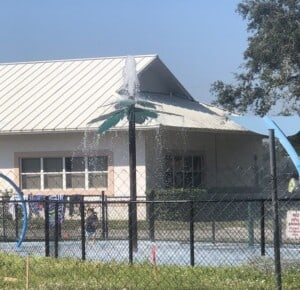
(119, 143)
(154, 158)
(238, 160)
(229, 158)
(115, 145)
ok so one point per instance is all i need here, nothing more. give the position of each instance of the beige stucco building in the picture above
(46, 146)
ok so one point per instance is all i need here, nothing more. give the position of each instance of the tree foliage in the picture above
(271, 71)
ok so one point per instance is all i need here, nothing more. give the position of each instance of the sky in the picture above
(200, 41)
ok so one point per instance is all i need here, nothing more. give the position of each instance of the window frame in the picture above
(19, 156)
(173, 174)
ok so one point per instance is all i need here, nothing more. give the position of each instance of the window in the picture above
(64, 172)
(183, 171)
(31, 168)
(97, 168)
(75, 172)
(53, 169)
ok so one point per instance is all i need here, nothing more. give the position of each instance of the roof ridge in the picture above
(78, 59)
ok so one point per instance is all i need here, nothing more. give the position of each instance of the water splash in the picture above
(130, 80)
(89, 144)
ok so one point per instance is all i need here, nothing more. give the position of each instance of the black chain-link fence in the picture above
(228, 224)
(213, 232)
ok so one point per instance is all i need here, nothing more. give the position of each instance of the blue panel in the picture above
(284, 142)
(283, 126)
(289, 125)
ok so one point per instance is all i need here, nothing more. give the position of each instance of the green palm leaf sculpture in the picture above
(143, 111)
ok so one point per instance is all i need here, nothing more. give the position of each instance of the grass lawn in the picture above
(49, 273)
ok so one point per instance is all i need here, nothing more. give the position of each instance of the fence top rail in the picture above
(148, 201)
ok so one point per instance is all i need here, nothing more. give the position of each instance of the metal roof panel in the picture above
(65, 95)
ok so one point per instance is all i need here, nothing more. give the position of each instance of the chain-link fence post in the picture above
(151, 216)
(82, 224)
(47, 232)
(104, 223)
(192, 234)
(262, 229)
(56, 225)
(130, 232)
(4, 218)
(275, 209)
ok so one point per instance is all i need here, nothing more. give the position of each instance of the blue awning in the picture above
(283, 126)
(289, 125)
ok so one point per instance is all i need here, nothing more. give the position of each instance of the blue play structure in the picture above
(283, 126)
(24, 209)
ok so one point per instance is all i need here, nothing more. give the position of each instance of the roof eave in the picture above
(138, 128)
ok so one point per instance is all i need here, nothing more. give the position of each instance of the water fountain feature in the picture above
(131, 87)
(130, 79)
(136, 111)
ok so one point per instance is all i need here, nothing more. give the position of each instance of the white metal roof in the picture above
(192, 115)
(65, 95)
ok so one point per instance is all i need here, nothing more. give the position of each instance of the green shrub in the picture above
(166, 209)
(221, 205)
(177, 194)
